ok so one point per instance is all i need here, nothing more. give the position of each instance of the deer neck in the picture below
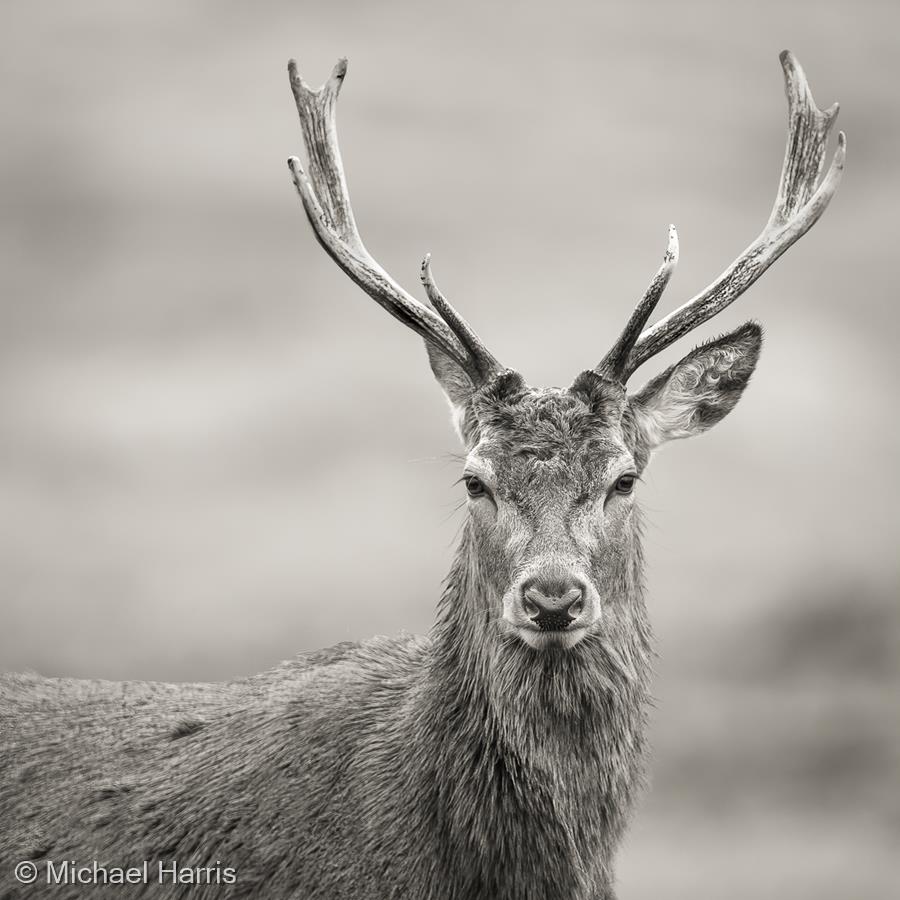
(522, 733)
(534, 702)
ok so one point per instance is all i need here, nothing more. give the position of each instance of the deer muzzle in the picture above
(552, 606)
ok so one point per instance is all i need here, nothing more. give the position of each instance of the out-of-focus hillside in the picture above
(208, 436)
(776, 757)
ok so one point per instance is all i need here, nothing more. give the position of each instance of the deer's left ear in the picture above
(695, 393)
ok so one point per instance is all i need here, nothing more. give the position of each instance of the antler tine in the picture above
(485, 361)
(326, 200)
(614, 364)
(798, 206)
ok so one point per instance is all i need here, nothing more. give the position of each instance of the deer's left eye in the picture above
(625, 484)
(475, 486)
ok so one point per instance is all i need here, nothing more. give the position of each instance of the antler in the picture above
(615, 364)
(798, 206)
(327, 203)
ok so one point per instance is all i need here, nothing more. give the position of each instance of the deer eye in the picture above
(474, 486)
(625, 484)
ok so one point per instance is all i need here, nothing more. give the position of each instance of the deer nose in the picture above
(552, 603)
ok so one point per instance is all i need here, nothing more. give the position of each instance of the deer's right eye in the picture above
(475, 486)
(625, 484)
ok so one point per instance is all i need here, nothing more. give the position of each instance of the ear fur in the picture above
(458, 389)
(700, 390)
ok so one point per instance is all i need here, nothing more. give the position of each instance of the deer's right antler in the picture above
(327, 203)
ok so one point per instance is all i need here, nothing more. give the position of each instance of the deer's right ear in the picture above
(458, 389)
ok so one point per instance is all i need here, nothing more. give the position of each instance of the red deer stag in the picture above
(495, 759)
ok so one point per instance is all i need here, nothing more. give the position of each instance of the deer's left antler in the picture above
(798, 206)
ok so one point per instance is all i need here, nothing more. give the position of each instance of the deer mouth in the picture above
(563, 638)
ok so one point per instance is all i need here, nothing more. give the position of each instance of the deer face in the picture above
(551, 476)
(550, 479)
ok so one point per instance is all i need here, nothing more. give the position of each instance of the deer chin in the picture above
(550, 640)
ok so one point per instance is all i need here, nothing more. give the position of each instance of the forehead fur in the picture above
(544, 424)
(561, 434)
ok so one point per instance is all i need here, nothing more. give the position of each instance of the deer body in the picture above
(369, 785)
(496, 759)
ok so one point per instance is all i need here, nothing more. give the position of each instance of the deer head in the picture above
(553, 527)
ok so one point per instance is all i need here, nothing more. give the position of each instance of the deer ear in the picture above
(458, 389)
(701, 389)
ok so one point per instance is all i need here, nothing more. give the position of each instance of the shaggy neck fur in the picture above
(540, 752)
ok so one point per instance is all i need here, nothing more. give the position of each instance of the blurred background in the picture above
(208, 435)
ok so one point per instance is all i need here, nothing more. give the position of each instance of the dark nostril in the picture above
(559, 621)
(530, 607)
